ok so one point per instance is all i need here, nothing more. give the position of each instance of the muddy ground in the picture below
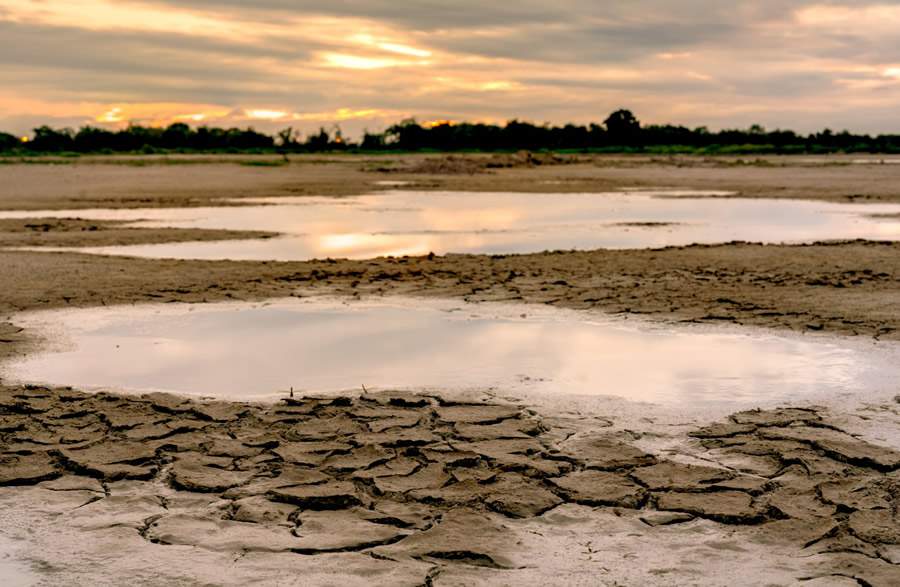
(428, 491)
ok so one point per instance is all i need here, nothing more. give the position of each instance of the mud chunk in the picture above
(778, 417)
(398, 398)
(206, 475)
(680, 477)
(73, 483)
(605, 453)
(219, 411)
(722, 430)
(343, 530)
(162, 430)
(876, 526)
(511, 428)
(11, 424)
(359, 458)
(729, 507)
(405, 421)
(840, 446)
(324, 428)
(398, 437)
(259, 510)
(601, 488)
(395, 513)
(399, 466)
(219, 535)
(226, 447)
(113, 461)
(519, 497)
(665, 518)
(477, 413)
(502, 448)
(461, 536)
(289, 477)
(858, 494)
(327, 496)
(166, 402)
(431, 477)
(27, 470)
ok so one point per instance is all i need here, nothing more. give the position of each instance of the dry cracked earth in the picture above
(420, 490)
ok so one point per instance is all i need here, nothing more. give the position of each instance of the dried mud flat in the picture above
(404, 489)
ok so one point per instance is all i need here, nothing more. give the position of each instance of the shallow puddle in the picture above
(243, 351)
(416, 223)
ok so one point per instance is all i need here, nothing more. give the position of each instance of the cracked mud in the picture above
(430, 487)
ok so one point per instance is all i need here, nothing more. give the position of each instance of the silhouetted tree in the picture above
(623, 127)
(8, 142)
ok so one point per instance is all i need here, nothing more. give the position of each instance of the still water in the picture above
(245, 351)
(416, 223)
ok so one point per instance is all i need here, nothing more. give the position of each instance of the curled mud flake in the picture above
(430, 477)
(205, 475)
(477, 413)
(324, 429)
(219, 411)
(227, 447)
(219, 535)
(601, 488)
(501, 448)
(398, 438)
(335, 495)
(342, 531)
(779, 417)
(399, 466)
(680, 477)
(113, 461)
(605, 453)
(259, 510)
(665, 518)
(461, 536)
(289, 476)
(451, 457)
(73, 483)
(404, 421)
(519, 497)
(129, 511)
(723, 430)
(399, 399)
(881, 526)
(359, 458)
(27, 470)
(162, 430)
(166, 402)
(860, 493)
(729, 507)
(839, 445)
(396, 513)
(511, 428)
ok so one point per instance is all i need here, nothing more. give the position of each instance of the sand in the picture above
(401, 490)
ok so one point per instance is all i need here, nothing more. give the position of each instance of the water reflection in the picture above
(242, 350)
(409, 223)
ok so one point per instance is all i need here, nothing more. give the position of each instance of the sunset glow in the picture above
(368, 64)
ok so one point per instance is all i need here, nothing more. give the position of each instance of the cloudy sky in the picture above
(366, 63)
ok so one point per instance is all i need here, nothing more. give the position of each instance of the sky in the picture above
(364, 64)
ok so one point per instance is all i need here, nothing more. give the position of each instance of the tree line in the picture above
(620, 132)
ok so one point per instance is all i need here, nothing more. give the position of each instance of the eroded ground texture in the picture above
(403, 489)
